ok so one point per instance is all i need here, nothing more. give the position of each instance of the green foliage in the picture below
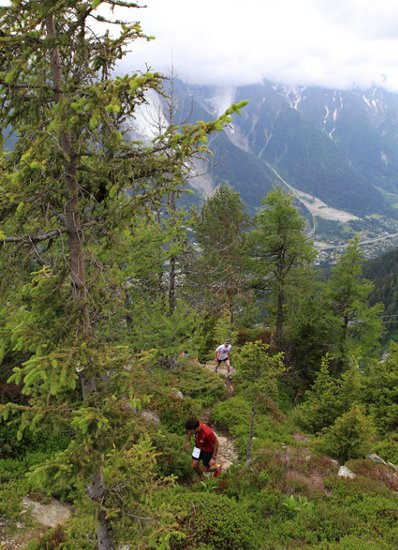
(388, 447)
(171, 460)
(208, 520)
(216, 274)
(381, 391)
(11, 493)
(223, 328)
(257, 369)
(79, 531)
(174, 411)
(359, 328)
(195, 381)
(351, 436)
(320, 407)
(167, 334)
(233, 416)
(281, 254)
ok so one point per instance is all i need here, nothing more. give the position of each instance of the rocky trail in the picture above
(227, 453)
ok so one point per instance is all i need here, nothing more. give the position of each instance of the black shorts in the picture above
(219, 361)
(205, 457)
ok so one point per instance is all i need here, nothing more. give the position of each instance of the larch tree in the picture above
(71, 191)
(358, 326)
(281, 254)
(258, 371)
(218, 269)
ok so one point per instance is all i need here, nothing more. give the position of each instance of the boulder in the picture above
(151, 416)
(51, 514)
(346, 472)
(375, 458)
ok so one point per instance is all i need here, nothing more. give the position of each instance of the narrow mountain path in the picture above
(227, 454)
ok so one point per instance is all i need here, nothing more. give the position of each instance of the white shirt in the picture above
(223, 351)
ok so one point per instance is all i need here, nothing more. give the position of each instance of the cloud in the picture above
(311, 42)
(332, 43)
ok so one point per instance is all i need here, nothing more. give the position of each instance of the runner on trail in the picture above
(205, 449)
(223, 353)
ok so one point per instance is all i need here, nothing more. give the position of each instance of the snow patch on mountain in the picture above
(293, 94)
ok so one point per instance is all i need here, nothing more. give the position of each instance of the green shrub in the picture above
(199, 383)
(45, 440)
(173, 459)
(11, 494)
(173, 412)
(354, 542)
(350, 436)
(80, 531)
(387, 448)
(209, 520)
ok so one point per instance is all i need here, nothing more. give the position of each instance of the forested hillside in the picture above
(114, 299)
(383, 271)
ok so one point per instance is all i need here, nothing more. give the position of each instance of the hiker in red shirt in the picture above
(206, 447)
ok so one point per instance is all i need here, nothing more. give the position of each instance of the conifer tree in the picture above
(380, 394)
(358, 327)
(258, 371)
(350, 436)
(218, 272)
(282, 255)
(70, 194)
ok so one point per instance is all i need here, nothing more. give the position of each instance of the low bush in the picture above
(173, 459)
(209, 520)
(388, 448)
(379, 472)
(199, 383)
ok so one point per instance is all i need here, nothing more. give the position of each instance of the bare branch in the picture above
(18, 85)
(29, 239)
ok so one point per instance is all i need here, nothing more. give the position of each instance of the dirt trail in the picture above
(227, 454)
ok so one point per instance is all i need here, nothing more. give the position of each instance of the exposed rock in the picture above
(176, 394)
(151, 417)
(346, 472)
(375, 458)
(52, 514)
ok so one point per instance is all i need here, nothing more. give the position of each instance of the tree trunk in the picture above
(77, 271)
(172, 286)
(280, 304)
(279, 321)
(172, 272)
(251, 430)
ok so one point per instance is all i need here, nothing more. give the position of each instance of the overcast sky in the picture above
(332, 43)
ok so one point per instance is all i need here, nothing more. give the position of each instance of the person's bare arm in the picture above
(188, 441)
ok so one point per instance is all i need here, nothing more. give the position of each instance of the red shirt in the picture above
(205, 438)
